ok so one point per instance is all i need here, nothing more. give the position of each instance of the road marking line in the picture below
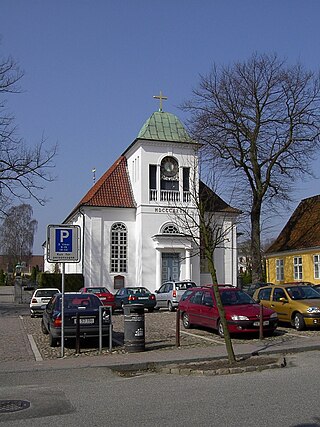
(199, 336)
(34, 348)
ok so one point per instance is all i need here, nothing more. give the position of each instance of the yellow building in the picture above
(295, 255)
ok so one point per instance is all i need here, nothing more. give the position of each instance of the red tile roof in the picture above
(113, 189)
(302, 231)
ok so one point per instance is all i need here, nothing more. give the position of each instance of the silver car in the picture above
(170, 293)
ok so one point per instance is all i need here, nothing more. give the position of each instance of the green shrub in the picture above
(247, 277)
(72, 282)
(2, 278)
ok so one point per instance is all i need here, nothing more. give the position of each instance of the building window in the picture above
(170, 229)
(186, 176)
(297, 268)
(153, 177)
(316, 262)
(153, 182)
(118, 248)
(279, 270)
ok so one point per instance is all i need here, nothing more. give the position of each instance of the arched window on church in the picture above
(170, 229)
(119, 240)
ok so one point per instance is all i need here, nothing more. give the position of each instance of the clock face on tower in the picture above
(169, 166)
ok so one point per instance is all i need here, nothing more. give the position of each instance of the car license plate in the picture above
(85, 321)
(265, 323)
(143, 298)
(103, 298)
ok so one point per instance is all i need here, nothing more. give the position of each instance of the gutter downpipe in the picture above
(82, 241)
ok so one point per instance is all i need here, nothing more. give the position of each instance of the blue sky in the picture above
(93, 66)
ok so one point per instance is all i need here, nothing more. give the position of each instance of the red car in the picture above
(242, 312)
(106, 297)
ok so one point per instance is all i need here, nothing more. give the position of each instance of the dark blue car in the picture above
(135, 295)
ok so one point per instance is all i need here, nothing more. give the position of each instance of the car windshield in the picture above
(303, 292)
(97, 290)
(185, 285)
(133, 291)
(46, 292)
(235, 298)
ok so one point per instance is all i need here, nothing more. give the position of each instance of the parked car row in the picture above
(168, 296)
(295, 303)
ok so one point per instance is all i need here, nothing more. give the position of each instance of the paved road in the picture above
(13, 336)
(94, 396)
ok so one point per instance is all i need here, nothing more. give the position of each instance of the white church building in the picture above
(132, 231)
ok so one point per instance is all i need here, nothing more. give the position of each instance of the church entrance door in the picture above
(170, 267)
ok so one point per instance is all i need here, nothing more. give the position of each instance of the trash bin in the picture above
(134, 335)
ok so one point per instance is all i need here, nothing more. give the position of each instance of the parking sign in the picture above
(63, 243)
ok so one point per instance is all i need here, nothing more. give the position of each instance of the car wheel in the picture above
(220, 329)
(53, 342)
(150, 310)
(186, 321)
(170, 306)
(298, 322)
(43, 328)
(31, 315)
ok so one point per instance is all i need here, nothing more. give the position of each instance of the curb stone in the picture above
(175, 369)
(183, 368)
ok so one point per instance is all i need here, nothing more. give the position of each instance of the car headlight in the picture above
(273, 315)
(236, 317)
(313, 310)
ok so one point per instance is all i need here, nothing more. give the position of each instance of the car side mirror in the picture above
(257, 300)
(283, 299)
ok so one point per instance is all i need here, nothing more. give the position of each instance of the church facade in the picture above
(138, 220)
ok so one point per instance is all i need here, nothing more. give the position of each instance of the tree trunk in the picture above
(257, 272)
(227, 338)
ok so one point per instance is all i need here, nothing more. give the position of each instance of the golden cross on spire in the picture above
(160, 97)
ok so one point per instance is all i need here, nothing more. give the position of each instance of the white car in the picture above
(40, 299)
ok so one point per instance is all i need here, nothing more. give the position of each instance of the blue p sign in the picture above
(63, 240)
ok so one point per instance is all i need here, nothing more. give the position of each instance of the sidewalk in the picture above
(146, 359)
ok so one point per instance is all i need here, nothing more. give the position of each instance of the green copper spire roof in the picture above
(163, 126)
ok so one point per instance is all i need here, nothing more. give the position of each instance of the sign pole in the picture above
(62, 310)
(63, 245)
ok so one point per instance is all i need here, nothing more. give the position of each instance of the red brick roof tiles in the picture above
(113, 189)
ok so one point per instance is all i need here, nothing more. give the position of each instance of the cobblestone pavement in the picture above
(13, 333)
(160, 334)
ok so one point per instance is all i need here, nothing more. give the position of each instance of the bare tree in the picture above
(24, 170)
(204, 225)
(17, 234)
(261, 119)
